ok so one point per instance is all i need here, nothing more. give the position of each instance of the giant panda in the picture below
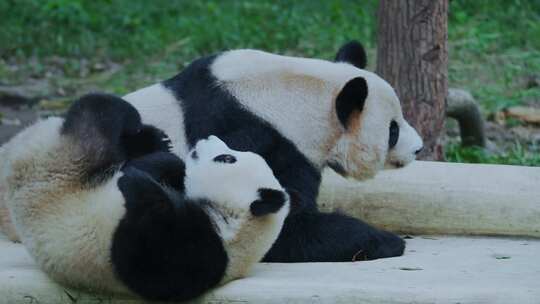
(101, 204)
(301, 115)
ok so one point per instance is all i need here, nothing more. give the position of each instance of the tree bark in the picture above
(412, 56)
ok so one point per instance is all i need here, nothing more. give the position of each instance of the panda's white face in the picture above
(249, 205)
(375, 136)
(228, 177)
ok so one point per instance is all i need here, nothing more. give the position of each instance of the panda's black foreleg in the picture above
(331, 237)
(165, 247)
(164, 167)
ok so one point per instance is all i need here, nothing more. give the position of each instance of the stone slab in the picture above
(442, 198)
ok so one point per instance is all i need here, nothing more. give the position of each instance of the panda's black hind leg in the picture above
(313, 236)
(102, 119)
(109, 131)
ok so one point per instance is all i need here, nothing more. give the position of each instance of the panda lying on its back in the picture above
(101, 204)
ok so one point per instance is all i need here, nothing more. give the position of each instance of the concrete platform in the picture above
(433, 270)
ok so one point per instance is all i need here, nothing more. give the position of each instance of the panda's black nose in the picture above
(418, 151)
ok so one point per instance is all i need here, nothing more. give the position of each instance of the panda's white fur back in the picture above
(158, 107)
(283, 90)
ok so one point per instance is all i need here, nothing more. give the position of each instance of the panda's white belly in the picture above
(159, 107)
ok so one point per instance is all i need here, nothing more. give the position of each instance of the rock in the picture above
(461, 106)
(533, 81)
(13, 120)
(26, 94)
(435, 197)
(526, 114)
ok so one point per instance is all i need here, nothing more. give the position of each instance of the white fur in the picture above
(232, 188)
(34, 139)
(158, 107)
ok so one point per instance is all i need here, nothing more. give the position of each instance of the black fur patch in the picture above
(351, 98)
(354, 53)
(210, 110)
(225, 158)
(165, 248)
(393, 134)
(331, 237)
(270, 201)
(165, 168)
(149, 139)
(109, 131)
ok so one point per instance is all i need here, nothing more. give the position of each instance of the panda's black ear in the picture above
(351, 98)
(354, 53)
(270, 201)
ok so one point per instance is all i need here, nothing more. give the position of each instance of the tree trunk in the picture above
(412, 56)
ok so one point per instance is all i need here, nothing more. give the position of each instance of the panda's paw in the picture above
(270, 201)
(141, 192)
(384, 244)
(164, 167)
(148, 140)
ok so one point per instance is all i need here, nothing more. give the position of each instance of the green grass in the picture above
(493, 47)
(125, 29)
(154, 39)
(493, 44)
(517, 155)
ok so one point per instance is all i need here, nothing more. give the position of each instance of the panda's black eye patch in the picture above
(225, 158)
(394, 134)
